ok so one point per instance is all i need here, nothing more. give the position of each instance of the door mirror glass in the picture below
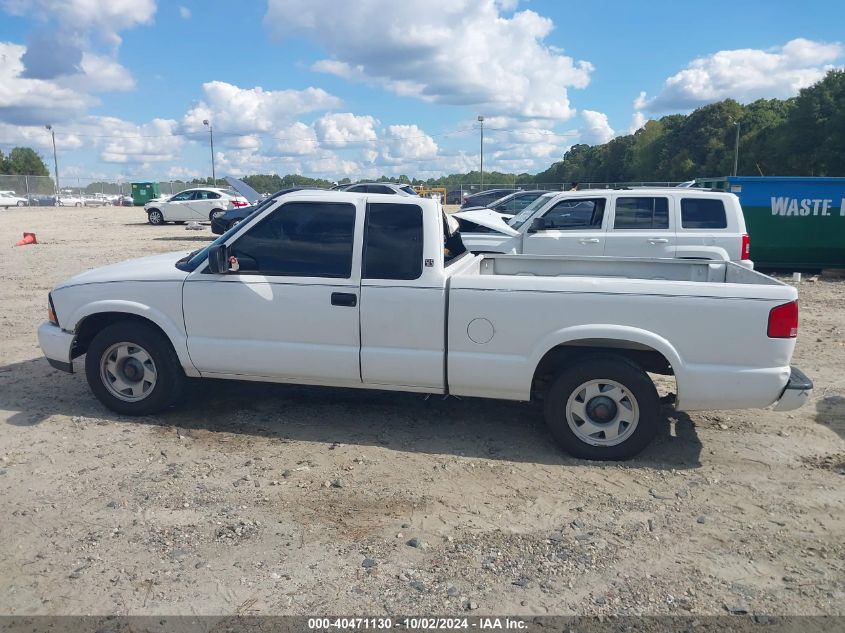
(218, 259)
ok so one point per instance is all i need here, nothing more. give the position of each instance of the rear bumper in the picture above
(796, 393)
(56, 345)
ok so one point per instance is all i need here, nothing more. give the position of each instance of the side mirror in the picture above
(537, 224)
(218, 259)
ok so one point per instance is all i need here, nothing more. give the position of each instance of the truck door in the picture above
(291, 310)
(642, 226)
(403, 299)
(573, 226)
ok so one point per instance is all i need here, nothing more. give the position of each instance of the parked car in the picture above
(455, 196)
(310, 290)
(70, 200)
(484, 198)
(235, 216)
(203, 203)
(125, 201)
(657, 222)
(513, 203)
(41, 200)
(11, 199)
(382, 187)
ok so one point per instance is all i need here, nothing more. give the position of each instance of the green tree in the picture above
(25, 161)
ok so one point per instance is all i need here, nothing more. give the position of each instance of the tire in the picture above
(155, 217)
(146, 354)
(215, 213)
(21, 203)
(609, 387)
(78, 204)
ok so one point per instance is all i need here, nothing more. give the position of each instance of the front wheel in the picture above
(604, 408)
(132, 369)
(155, 217)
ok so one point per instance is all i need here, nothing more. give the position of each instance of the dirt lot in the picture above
(277, 499)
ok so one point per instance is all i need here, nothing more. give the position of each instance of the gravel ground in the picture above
(268, 499)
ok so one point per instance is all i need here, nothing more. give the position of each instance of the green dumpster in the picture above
(143, 192)
(794, 222)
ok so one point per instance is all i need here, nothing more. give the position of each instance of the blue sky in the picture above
(342, 89)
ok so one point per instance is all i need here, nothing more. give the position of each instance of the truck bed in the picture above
(622, 268)
(708, 320)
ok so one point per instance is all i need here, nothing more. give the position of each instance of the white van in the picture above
(657, 222)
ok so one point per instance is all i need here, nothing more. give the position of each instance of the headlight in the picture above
(51, 311)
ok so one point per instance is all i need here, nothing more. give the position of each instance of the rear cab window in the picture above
(641, 213)
(393, 242)
(703, 213)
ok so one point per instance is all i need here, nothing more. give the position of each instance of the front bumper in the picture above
(56, 345)
(796, 393)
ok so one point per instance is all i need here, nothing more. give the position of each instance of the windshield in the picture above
(520, 219)
(409, 190)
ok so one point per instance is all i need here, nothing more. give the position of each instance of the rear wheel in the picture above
(604, 408)
(21, 203)
(216, 213)
(155, 217)
(132, 369)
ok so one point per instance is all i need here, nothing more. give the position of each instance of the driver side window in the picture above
(577, 214)
(300, 239)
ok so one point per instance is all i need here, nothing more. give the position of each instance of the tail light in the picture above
(783, 321)
(239, 203)
(746, 247)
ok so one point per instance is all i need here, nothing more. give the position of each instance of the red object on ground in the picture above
(28, 238)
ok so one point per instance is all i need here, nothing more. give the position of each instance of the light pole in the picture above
(55, 160)
(736, 149)
(481, 121)
(211, 137)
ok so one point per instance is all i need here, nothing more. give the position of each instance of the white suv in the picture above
(203, 203)
(674, 223)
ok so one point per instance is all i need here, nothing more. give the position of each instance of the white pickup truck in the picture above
(358, 290)
(656, 222)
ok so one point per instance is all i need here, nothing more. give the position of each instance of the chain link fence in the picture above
(75, 191)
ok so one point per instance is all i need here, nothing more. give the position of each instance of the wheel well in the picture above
(92, 325)
(648, 358)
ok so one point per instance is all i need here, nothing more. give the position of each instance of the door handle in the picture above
(658, 240)
(589, 240)
(346, 299)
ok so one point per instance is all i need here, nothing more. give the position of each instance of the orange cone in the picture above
(28, 238)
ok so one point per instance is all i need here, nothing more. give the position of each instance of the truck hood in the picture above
(489, 219)
(155, 268)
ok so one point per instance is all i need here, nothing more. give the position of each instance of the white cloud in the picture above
(745, 75)
(637, 121)
(441, 51)
(597, 130)
(105, 17)
(344, 128)
(236, 110)
(407, 143)
(33, 101)
(296, 140)
(151, 142)
(185, 13)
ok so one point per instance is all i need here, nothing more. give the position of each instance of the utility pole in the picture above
(55, 160)
(211, 137)
(481, 121)
(736, 149)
